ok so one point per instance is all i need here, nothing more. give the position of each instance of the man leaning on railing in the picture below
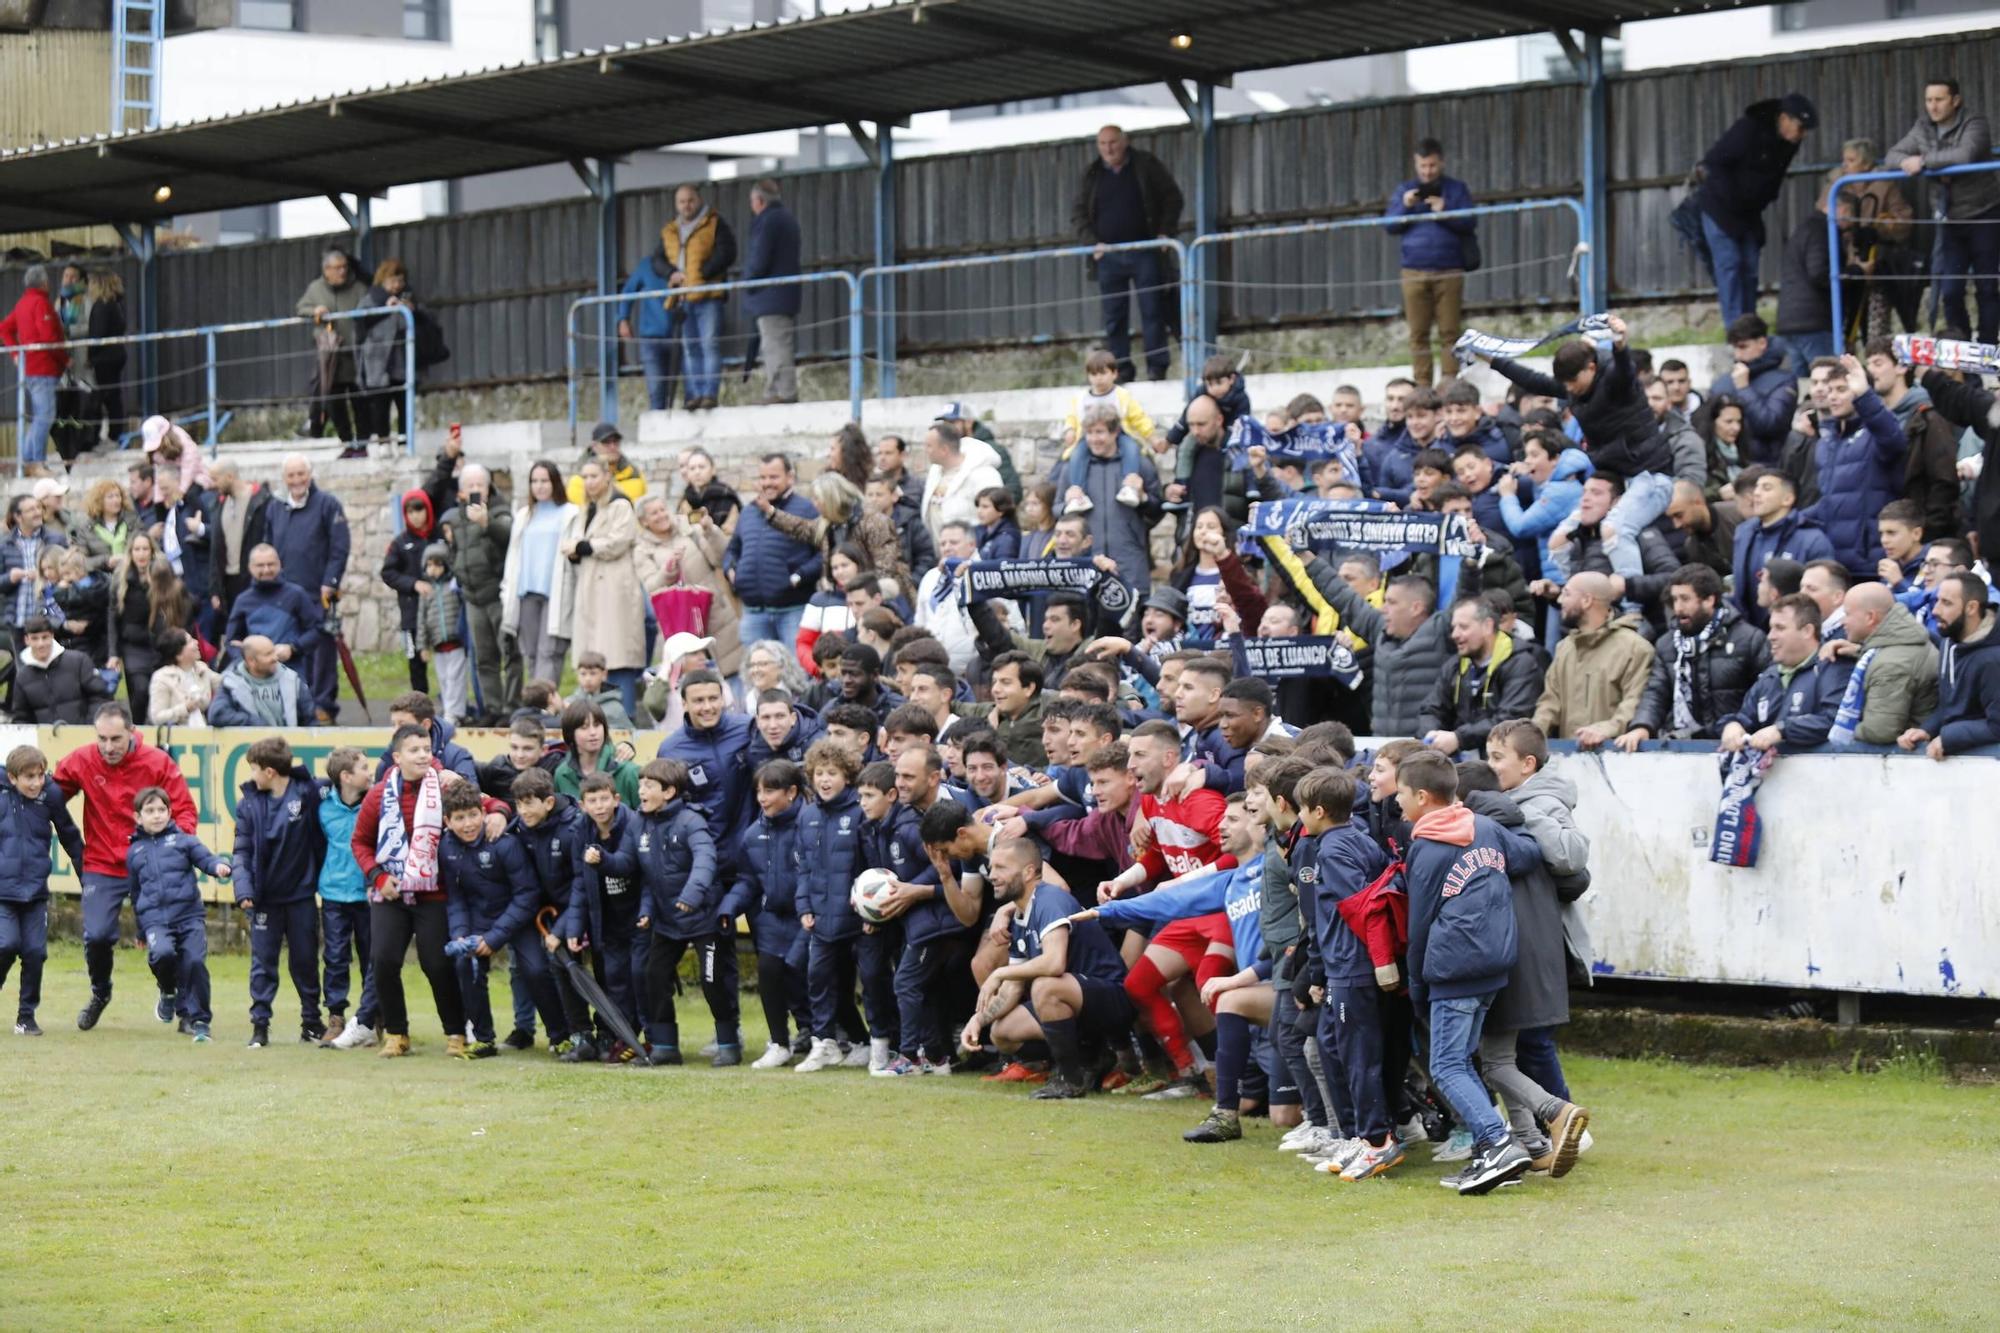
(1947, 135)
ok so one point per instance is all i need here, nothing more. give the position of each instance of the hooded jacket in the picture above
(25, 827)
(828, 854)
(162, 866)
(448, 753)
(600, 893)
(895, 844)
(67, 688)
(280, 844)
(1463, 937)
(489, 889)
(34, 320)
(440, 611)
(339, 876)
(403, 563)
(1968, 712)
(806, 728)
(1346, 862)
(1860, 459)
(649, 318)
(1596, 680)
(108, 820)
(950, 497)
(1793, 537)
(1901, 687)
(1930, 476)
(767, 882)
(1406, 670)
(1772, 396)
(1801, 704)
(1468, 699)
(235, 703)
(1744, 170)
(680, 884)
(1537, 990)
(554, 851)
(1619, 431)
(1555, 499)
(1722, 673)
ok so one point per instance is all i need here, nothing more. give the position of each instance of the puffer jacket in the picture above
(768, 568)
(827, 856)
(1792, 537)
(680, 887)
(490, 890)
(1406, 670)
(1537, 990)
(66, 689)
(1723, 673)
(25, 826)
(1769, 401)
(1554, 500)
(162, 866)
(767, 883)
(1860, 460)
(1901, 688)
(1469, 700)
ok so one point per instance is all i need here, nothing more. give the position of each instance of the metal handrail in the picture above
(854, 380)
(1833, 225)
(208, 333)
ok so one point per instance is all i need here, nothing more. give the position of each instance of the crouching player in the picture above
(29, 810)
(162, 861)
(490, 893)
(1061, 982)
(1242, 1000)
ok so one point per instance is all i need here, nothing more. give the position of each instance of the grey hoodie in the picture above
(1548, 804)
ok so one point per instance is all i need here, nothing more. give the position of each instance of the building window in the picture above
(270, 15)
(425, 20)
(551, 20)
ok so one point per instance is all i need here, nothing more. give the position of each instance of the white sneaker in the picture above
(825, 1054)
(1320, 1140)
(1296, 1137)
(879, 1054)
(775, 1056)
(1337, 1157)
(858, 1056)
(354, 1035)
(1411, 1131)
(1583, 1144)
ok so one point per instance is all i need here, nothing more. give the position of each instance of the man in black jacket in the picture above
(1970, 403)
(1805, 284)
(1488, 682)
(1742, 174)
(1702, 668)
(1129, 195)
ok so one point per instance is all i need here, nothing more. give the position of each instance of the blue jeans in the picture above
(656, 355)
(701, 329)
(1735, 264)
(1646, 497)
(1455, 1029)
(41, 416)
(626, 681)
(1117, 274)
(1809, 347)
(1969, 246)
(1535, 1053)
(770, 622)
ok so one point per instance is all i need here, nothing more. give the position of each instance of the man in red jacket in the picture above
(32, 321)
(109, 774)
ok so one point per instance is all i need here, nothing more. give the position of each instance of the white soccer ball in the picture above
(869, 888)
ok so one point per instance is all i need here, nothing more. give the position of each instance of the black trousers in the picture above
(393, 926)
(716, 955)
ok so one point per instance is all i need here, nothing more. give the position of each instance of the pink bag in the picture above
(682, 610)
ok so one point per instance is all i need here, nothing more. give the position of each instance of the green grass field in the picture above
(147, 1182)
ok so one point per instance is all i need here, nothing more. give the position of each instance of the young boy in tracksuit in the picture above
(343, 902)
(1462, 946)
(767, 889)
(1353, 1021)
(161, 861)
(30, 810)
(892, 844)
(280, 847)
(828, 855)
(680, 906)
(550, 828)
(604, 908)
(489, 895)
(932, 938)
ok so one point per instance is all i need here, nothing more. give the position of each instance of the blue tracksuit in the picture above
(343, 909)
(280, 847)
(766, 891)
(24, 881)
(829, 854)
(171, 915)
(553, 849)
(680, 895)
(1802, 707)
(490, 894)
(932, 940)
(605, 907)
(1352, 1023)
(718, 771)
(1793, 537)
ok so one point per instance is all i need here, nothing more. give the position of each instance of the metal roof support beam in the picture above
(1195, 342)
(1596, 171)
(865, 142)
(140, 240)
(882, 152)
(602, 179)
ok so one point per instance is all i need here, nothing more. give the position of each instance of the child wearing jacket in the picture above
(343, 902)
(826, 858)
(767, 887)
(1462, 946)
(30, 810)
(550, 828)
(604, 907)
(892, 844)
(680, 905)
(403, 570)
(439, 612)
(280, 847)
(489, 894)
(162, 861)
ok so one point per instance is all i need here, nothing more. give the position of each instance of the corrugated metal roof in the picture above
(883, 63)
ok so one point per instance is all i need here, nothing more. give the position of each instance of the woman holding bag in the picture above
(672, 554)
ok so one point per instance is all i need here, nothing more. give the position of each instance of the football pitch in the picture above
(148, 1182)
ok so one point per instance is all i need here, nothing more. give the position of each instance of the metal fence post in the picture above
(20, 414)
(409, 380)
(856, 381)
(214, 420)
(1833, 228)
(1596, 170)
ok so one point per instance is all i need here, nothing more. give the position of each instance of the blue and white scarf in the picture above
(1848, 716)
(1916, 349)
(411, 856)
(1305, 446)
(1739, 832)
(1472, 344)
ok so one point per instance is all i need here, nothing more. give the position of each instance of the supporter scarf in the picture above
(1916, 349)
(1311, 524)
(1472, 344)
(1690, 689)
(1295, 656)
(411, 855)
(1848, 716)
(983, 580)
(948, 584)
(1305, 446)
(1738, 830)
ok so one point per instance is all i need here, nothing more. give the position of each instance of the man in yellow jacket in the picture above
(700, 250)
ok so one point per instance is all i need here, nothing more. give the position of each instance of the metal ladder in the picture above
(138, 28)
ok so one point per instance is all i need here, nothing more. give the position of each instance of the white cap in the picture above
(681, 644)
(48, 486)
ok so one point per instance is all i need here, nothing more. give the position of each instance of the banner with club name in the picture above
(983, 580)
(1324, 526)
(1296, 657)
(1305, 446)
(1917, 349)
(1472, 344)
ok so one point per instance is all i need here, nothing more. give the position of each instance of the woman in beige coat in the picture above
(688, 553)
(607, 614)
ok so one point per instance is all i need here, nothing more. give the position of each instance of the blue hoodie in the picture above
(828, 855)
(1793, 537)
(25, 826)
(680, 887)
(1968, 712)
(767, 881)
(1346, 861)
(280, 845)
(1554, 500)
(162, 867)
(1238, 892)
(340, 878)
(1463, 937)
(718, 771)
(489, 889)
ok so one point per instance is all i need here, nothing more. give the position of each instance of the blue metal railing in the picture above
(854, 369)
(1833, 229)
(208, 333)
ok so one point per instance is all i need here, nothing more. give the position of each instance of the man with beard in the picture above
(1701, 668)
(1600, 670)
(1968, 712)
(861, 681)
